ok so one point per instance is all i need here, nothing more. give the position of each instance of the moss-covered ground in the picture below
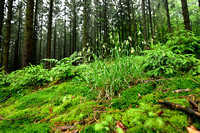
(74, 103)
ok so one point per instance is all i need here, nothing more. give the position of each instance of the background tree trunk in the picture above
(7, 36)
(185, 15)
(35, 33)
(1, 17)
(84, 23)
(168, 16)
(144, 21)
(150, 17)
(49, 34)
(16, 53)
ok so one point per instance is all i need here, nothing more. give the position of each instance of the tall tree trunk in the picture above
(41, 34)
(54, 41)
(185, 15)
(84, 23)
(150, 17)
(144, 21)
(16, 53)
(129, 18)
(168, 16)
(65, 39)
(105, 40)
(28, 35)
(35, 33)
(199, 3)
(121, 20)
(1, 17)
(74, 27)
(49, 34)
(7, 36)
(134, 26)
(70, 37)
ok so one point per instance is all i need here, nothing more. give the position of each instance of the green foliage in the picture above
(161, 61)
(184, 42)
(114, 77)
(29, 76)
(64, 69)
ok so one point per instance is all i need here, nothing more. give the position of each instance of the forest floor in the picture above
(71, 107)
(167, 105)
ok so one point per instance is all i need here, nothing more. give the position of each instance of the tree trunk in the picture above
(105, 39)
(168, 16)
(49, 34)
(65, 39)
(74, 28)
(185, 15)
(84, 23)
(121, 20)
(129, 18)
(199, 3)
(7, 36)
(16, 53)
(150, 17)
(41, 34)
(35, 34)
(144, 21)
(28, 35)
(54, 41)
(1, 17)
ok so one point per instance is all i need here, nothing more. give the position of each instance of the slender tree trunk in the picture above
(144, 21)
(49, 34)
(35, 34)
(65, 39)
(105, 40)
(150, 17)
(121, 20)
(28, 36)
(134, 26)
(185, 15)
(41, 34)
(84, 23)
(7, 36)
(168, 16)
(74, 27)
(1, 17)
(70, 37)
(54, 41)
(16, 53)
(129, 18)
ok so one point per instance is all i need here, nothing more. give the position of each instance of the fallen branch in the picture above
(182, 90)
(179, 107)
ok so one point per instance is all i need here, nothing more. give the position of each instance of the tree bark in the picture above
(182, 108)
(168, 16)
(28, 36)
(16, 53)
(35, 34)
(55, 41)
(150, 17)
(185, 15)
(1, 17)
(74, 27)
(7, 36)
(49, 34)
(84, 23)
(144, 21)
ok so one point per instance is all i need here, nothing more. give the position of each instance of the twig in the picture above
(195, 81)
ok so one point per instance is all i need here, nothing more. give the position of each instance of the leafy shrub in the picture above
(184, 42)
(161, 61)
(29, 76)
(64, 69)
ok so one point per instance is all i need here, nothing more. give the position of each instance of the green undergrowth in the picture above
(74, 103)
